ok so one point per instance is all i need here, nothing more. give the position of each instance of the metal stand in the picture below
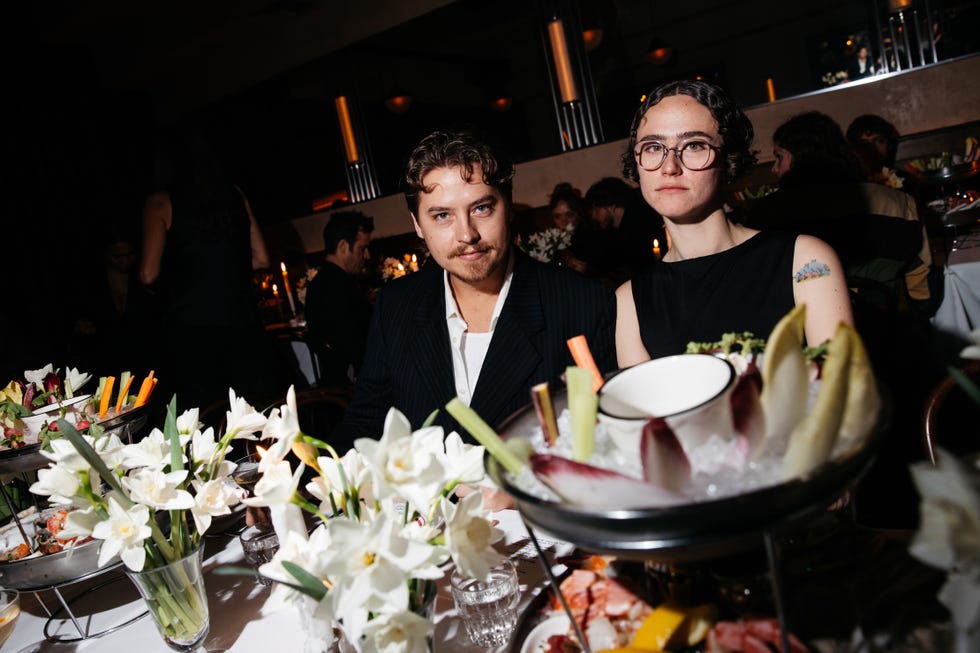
(66, 608)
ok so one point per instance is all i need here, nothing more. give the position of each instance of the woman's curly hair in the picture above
(455, 148)
(734, 126)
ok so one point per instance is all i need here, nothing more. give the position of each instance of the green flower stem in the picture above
(309, 507)
(174, 602)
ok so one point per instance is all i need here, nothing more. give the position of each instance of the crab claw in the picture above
(591, 487)
(664, 462)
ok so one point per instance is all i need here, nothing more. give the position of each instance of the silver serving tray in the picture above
(54, 569)
(698, 530)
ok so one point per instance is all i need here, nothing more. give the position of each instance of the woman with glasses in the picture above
(687, 139)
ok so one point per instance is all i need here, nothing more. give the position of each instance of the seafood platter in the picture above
(34, 555)
(729, 456)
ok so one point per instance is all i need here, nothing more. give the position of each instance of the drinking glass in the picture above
(259, 544)
(488, 609)
(9, 611)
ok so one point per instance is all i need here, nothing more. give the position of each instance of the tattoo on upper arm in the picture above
(812, 270)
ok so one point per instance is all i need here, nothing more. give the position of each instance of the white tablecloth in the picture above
(959, 312)
(235, 603)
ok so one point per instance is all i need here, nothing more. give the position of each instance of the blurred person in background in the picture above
(337, 310)
(201, 244)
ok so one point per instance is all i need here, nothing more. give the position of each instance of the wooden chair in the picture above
(950, 416)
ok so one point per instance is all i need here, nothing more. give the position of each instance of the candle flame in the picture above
(282, 266)
(656, 243)
(260, 451)
(414, 258)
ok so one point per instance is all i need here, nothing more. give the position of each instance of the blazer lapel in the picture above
(429, 344)
(513, 356)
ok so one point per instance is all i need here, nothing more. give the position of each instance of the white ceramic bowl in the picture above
(35, 422)
(690, 391)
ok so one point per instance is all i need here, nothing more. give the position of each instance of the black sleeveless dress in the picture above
(746, 288)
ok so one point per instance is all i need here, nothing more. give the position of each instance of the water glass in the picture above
(259, 544)
(488, 609)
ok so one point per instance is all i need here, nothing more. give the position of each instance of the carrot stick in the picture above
(145, 389)
(122, 394)
(106, 396)
(583, 358)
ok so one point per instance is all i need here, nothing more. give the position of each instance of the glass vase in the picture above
(174, 595)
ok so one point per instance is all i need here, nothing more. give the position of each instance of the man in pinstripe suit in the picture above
(480, 321)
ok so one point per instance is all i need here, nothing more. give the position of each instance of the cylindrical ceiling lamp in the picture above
(346, 129)
(563, 63)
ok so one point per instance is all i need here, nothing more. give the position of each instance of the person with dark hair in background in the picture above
(618, 241)
(201, 243)
(337, 310)
(480, 320)
(875, 143)
(686, 140)
(567, 207)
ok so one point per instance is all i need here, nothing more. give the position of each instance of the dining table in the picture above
(959, 312)
(110, 617)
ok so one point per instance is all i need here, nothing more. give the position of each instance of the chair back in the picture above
(301, 359)
(949, 418)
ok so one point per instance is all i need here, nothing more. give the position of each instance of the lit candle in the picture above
(275, 291)
(770, 89)
(415, 263)
(285, 287)
(656, 248)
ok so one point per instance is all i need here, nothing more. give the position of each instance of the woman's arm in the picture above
(157, 216)
(820, 283)
(629, 345)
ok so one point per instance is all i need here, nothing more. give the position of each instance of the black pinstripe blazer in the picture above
(408, 363)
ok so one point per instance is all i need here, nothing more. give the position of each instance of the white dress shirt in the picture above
(470, 349)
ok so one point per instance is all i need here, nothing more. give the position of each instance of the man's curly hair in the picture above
(455, 148)
(734, 126)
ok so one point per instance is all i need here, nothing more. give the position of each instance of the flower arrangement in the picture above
(180, 471)
(545, 245)
(385, 528)
(22, 397)
(834, 78)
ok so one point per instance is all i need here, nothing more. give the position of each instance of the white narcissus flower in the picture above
(283, 427)
(189, 421)
(399, 632)
(74, 380)
(973, 349)
(58, 483)
(470, 536)
(356, 475)
(158, 490)
(203, 446)
(123, 532)
(212, 499)
(304, 552)
(405, 464)
(949, 534)
(276, 486)
(65, 455)
(79, 523)
(242, 420)
(152, 451)
(37, 376)
(464, 462)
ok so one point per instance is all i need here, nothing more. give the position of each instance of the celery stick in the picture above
(121, 400)
(485, 435)
(583, 404)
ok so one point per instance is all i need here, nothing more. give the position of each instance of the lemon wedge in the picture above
(662, 629)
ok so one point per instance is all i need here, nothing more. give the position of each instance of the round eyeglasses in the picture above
(693, 155)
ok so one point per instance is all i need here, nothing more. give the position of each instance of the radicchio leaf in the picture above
(664, 462)
(592, 487)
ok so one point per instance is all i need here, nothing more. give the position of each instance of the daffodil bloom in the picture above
(405, 464)
(349, 472)
(37, 376)
(64, 454)
(203, 446)
(212, 499)
(79, 523)
(58, 483)
(159, 490)
(283, 427)
(470, 536)
(399, 632)
(189, 421)
(123, 533)
(464, 462)
(242, 420)
(152, 451)
(74, 380)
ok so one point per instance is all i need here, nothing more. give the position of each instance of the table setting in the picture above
(692, 504)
